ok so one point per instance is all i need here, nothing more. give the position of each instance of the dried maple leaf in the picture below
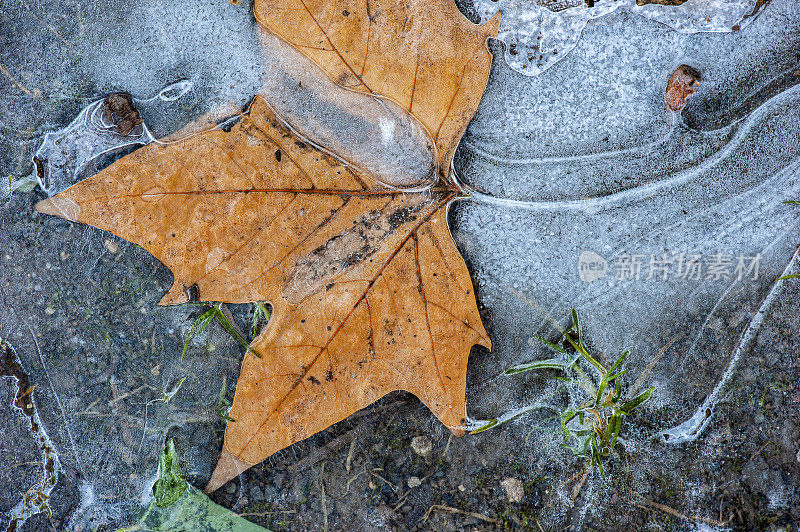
(369, 292)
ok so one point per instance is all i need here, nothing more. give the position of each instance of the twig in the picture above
(266, 513)
(349, 459)
(675, 513)
(447, 446)
(350, 481)
(323, 452)
(404, 496)
(450, 509)
(374, 474)
(35, 93)
(324, 502)
(125, 395)
(643, 375)
(579, 486)
(50, 28)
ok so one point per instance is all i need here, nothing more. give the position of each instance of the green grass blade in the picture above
(201, 320)
(597, 459)
(550, 363)
(616, 375)
(616, 420)
(566, 417)
(260, 312)
(600, 390)
(577, 326)
(619, 361)
(551, 345)
(636, 401)
(489, 424)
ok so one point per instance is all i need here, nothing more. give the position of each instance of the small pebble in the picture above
(111, 246)
(422, 445)
(513, 488)
(414, 482)
(231, 488)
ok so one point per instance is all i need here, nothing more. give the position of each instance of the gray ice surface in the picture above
(590, 194)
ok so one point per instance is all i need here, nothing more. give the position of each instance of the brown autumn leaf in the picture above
(369, 292)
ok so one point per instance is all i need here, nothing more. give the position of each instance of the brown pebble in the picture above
(119, 109)
(682, 84)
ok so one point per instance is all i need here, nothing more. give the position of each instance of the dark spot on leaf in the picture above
(401, 216)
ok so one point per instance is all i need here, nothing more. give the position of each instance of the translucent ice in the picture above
(536, 37)
(538, 34)
(372, 134)
(69, 154)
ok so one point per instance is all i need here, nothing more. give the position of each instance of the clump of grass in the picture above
(219, 312)
(590, 429)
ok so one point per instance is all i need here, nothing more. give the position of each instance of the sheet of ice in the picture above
(537, 37)
(700, 15)
(211, 43)
(20, 405)
(70, 154)
(538, 34)
(666, 232)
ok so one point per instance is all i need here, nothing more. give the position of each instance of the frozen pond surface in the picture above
(667, 232)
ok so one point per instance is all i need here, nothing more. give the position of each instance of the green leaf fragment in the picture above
(619, 361)
(170, 485)
(551, 345)
(179, 507)
(260, 312)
